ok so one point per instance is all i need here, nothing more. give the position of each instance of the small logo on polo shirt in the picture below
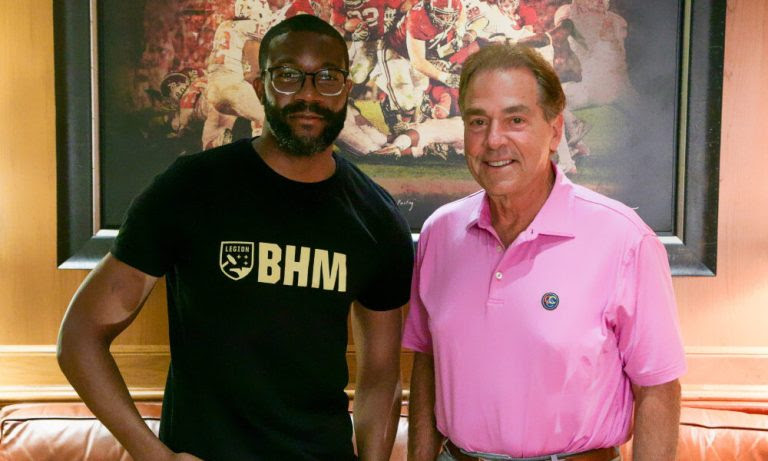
(550, 301)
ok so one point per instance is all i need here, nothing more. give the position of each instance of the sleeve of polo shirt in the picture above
(416, 335)
(646, 321)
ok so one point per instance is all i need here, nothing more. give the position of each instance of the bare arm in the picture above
(105, 304)
(417, 50)
(424, 440)
(377, 389)
(657, 419)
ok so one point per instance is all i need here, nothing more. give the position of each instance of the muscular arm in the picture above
(423, 437)
(377, 389)
(106, 303)
(657, 418)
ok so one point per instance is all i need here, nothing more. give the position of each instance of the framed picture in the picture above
(140, 83)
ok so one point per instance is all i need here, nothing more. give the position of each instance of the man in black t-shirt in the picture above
(265, 244)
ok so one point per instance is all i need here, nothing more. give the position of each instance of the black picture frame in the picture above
(692, 248)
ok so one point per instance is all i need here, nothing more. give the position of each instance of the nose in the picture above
(495, 137)
(308, 92)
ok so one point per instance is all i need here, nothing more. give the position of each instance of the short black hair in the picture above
(300, 23)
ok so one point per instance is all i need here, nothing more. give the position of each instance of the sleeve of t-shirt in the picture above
(391, 287)
(417, 25)
(416, 335)
(146, 235)
(646, 320)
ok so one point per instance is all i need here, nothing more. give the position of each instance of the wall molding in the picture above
(726, 366)
(31, 372)
(718, 377)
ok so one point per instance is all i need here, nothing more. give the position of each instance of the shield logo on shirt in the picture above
(236, 259)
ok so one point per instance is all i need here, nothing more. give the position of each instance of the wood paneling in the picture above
(723, 318)
(730, 309)
(31, 372)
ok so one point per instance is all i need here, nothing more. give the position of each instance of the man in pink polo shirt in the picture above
(542, 313)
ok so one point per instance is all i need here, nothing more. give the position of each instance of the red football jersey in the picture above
(193, 93)
(378, 16)
(419, 26)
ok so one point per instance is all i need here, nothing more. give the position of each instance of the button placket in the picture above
(495, 293)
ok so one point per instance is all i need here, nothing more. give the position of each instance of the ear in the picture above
(258, 86)
(557, 132)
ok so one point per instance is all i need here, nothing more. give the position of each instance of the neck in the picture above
(511, 215)
(311, 168)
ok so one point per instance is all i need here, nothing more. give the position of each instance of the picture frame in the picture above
(82, 238)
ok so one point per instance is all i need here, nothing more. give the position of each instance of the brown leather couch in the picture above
(69, 432)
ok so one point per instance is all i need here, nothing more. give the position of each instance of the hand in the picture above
(183, 457)
(186, 457)
(361, 33)
(452, 80)
(170, 456)
(441, 65)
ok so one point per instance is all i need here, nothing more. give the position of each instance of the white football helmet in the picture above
(509, 7)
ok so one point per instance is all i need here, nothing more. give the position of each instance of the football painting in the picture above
(175, 77)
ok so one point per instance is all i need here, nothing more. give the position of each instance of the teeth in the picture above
(500, 163)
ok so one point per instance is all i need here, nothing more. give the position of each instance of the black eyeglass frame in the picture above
(304, 76)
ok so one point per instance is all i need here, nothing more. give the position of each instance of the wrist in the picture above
(157, 450)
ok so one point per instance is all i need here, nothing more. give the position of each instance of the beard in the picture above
(303, 146)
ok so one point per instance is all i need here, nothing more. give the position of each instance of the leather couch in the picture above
(69, 432)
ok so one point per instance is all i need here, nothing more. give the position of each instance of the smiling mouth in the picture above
(499, 163)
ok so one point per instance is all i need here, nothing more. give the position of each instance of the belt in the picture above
(599, 454)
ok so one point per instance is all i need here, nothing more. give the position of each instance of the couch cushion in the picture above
(722, 435)
(62, 432)
(70, 432)
(718, 435)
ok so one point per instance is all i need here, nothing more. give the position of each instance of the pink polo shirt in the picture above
(536, 344)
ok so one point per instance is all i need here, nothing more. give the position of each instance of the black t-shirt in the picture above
(260, 272)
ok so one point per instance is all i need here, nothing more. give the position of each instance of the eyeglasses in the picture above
(287, 80)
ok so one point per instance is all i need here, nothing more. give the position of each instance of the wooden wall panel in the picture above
(31, 372)
(723, 318)
(33, 292)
